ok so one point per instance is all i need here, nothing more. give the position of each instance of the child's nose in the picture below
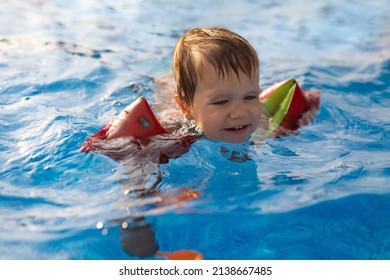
(238, 111)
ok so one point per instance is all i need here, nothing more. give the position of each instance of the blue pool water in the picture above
(67, 67)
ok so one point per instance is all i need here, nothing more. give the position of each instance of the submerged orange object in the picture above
(183, 194)
(181, 255)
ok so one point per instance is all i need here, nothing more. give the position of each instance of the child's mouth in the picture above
(238, 128)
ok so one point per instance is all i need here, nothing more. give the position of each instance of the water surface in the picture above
(69, 67)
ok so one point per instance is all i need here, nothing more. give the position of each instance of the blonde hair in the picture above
(223, 49)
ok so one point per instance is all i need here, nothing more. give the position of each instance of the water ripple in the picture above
(69, 67)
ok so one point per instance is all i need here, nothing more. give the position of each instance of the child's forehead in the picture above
(216, 82)
(204, 65)
(208, 71)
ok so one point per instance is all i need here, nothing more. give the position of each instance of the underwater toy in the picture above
(284, 102)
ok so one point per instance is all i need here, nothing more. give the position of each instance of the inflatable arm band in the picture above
(284, 102)
(136, 120)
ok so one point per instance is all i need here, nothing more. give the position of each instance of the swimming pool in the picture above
(69, 66)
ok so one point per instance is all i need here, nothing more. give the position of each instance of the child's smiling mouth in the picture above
(238, 128)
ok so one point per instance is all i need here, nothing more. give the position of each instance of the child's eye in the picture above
(220, 102)
(251, 97)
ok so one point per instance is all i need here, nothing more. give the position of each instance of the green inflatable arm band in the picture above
(284, 102)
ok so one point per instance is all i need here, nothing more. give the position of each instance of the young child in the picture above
(216, 87)
(217, 83)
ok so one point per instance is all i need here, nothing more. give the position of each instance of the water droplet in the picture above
(116, 104)
(47, 167)
(125, 225)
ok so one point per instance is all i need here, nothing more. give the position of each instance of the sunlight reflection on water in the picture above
(69, 67)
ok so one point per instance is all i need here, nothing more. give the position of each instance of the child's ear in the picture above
(184, 108)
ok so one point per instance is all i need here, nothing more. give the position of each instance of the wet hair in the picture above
(221, 48)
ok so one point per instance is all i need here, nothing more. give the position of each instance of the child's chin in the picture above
(238, 141)
(235, 138)
(231, 140)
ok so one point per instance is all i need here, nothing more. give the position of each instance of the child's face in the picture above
(226, 109)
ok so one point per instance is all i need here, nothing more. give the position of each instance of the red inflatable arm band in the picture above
(136, 120)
